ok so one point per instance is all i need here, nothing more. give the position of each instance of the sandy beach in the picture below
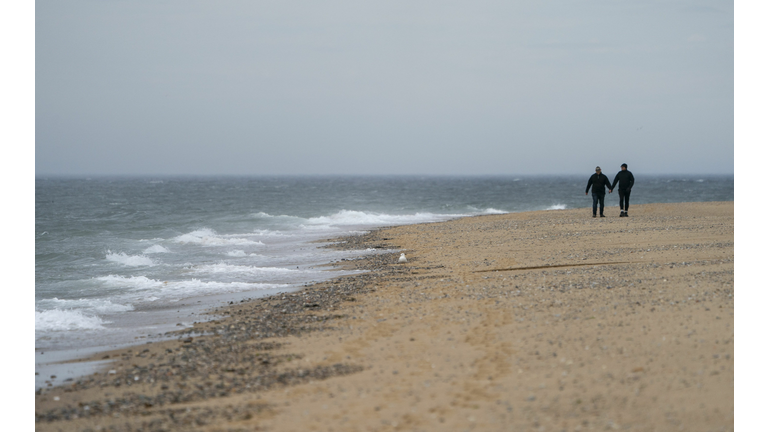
(547, 320)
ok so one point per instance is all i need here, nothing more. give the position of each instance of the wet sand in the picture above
(546, 320)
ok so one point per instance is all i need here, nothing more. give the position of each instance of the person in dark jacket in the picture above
(598, 183)
(625, 179)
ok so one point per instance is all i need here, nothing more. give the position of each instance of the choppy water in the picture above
(115, 259)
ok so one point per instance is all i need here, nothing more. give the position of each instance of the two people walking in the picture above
(599, 181)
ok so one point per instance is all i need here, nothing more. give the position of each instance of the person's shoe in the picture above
(602, 215)
(622, 214)
(594, 215)
(626, 214)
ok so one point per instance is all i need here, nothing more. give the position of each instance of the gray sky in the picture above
(397, 87)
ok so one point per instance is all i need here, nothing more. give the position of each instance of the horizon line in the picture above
(38, 176)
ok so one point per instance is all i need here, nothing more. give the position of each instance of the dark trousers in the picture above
(595, 199)
(624, 199)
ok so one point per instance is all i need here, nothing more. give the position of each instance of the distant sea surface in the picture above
(118, 260)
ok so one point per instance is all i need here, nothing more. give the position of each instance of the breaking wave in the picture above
(129, 260)
(60, 320)
(156, 249)
(208, 237)
(557, 207)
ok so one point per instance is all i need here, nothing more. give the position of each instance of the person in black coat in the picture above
(598, 182)
(626, 180)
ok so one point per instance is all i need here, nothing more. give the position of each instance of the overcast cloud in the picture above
(396, 87)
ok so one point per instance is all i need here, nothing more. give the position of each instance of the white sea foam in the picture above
(352, 217)
(132, 282)
(129, 260)
(241, 253)
(230, 268)
(262, 215)
(98, 306)
(270, 233)
(174, 289)
(557, 207)
(491, 210)
(208, 237)
(59, 320)
(156, 249)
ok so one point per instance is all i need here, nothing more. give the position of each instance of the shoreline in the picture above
(520, 315)
(70, 363)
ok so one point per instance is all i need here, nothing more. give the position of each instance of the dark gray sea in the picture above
(121, 260)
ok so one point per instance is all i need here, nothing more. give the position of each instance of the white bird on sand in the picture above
(402, 258)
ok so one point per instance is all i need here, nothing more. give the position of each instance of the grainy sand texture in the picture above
(541, 321)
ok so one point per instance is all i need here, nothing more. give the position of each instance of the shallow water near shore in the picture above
(123, 260)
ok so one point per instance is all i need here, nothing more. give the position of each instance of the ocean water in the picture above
(123, 260)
